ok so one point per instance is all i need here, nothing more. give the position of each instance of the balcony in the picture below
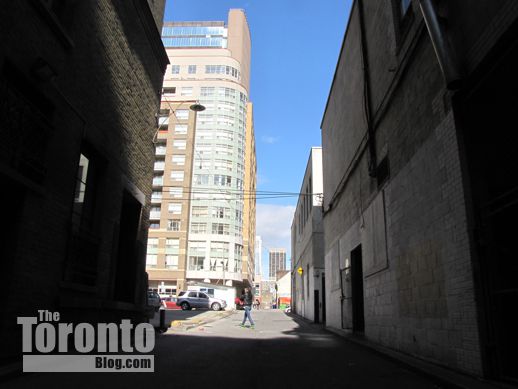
(159, 166)
(154, 215)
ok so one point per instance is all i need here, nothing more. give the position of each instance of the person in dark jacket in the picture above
(248, 300)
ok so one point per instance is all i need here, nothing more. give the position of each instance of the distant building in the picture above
(420, 182)
(283, 289)
(258, 256)
(307, 244)
(79, 94)
(277, 261)
(203, 214)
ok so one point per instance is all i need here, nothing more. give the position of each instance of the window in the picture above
(179, 144)
(178, 159)
(192, 69)
(169, 90)
(199, 211)
(151, 260)
(182, 114)
(177, 175)
(172, 245)
(186, 91)
(174, 208)
(219, 247)
(175, 69)
(160, 149)
(201, 179)
(154, 225)
(79, 196)
(154, 213)
(222, 164)
(199, 228)
(176, 192)
(220, 212)
(171, 261)
(156, 196)
(220, 229)
(222, 180)
(158, 180)
(207, 91)
(159, 165)
(173, 225)
(180, 128)
(196, 263)
(198, 246)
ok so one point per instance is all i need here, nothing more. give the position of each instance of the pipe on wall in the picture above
(443, 50)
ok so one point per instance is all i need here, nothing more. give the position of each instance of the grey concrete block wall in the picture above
(419, 295)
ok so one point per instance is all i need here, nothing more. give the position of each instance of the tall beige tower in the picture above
(204, 211)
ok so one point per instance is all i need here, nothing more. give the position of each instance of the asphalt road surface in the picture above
(281, 352)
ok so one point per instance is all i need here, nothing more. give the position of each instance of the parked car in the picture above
(154, 300)
(192, 299)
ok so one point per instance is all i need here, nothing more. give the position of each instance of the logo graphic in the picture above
(51, 346)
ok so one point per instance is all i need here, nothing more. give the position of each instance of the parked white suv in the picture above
(192, 299)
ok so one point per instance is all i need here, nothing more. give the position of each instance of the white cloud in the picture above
(274, 227)
(269, 139)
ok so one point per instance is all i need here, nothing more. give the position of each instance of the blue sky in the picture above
(295, 47)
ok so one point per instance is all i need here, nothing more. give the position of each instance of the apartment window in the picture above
(180, 128)
(186, 91)
(201, 179)
(220, 229)
(182, 114)
(171, 261)
(158, 180)
(219, 247)
(174, 208)
(173, 225)
(199, 228)
(178, 159)
(159, 165)
(192, 69)
(171, 90)
(154, 225)
(196, 263)
(160, 149)
(156, 195)
(199, 211)
(172, 244)
(151, 260)
(175, 69)
(220, 212)
(207, 91)
(177, 175)
(197, 245)
(176, 192)
(179, 144)
(222, 164)
(222, 180)
(154, 213)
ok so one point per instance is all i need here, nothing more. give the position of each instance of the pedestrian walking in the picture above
(247, 299)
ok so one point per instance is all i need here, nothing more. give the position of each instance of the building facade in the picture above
(205, 171)
(258, 256)
(419, 202)
(79, 90)
(276, 262)
(307, 244)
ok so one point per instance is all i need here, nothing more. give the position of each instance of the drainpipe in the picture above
(443, 50)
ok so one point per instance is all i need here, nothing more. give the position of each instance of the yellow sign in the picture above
(300, 270)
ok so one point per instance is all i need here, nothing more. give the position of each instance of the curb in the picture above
(189, 324)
